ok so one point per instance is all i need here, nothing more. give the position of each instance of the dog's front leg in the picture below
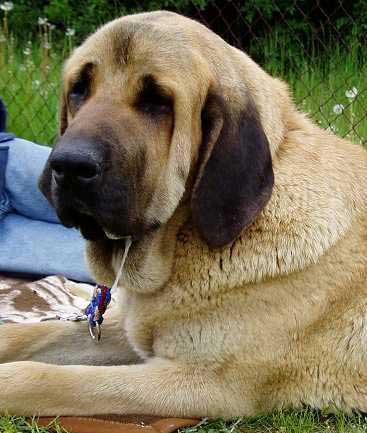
(158, 387)
(61, 342)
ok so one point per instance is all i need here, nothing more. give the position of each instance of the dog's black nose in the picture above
(80, 164)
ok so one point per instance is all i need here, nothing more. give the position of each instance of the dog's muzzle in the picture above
(77, 164)
(85, 192)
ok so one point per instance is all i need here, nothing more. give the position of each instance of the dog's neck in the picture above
(304, 218)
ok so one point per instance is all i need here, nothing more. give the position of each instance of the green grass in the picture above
(12, 424)
(301, 421)
(30, 87)
(319, 79)
(30, 84)
(287, 421)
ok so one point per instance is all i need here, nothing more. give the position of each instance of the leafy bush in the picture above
(258, 16)
(85, 15)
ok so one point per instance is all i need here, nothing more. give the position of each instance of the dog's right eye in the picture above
(77, 95)
(80, 89)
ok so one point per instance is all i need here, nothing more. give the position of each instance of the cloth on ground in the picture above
(26, 301)
(23, 301)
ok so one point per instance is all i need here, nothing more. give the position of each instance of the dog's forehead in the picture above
(161, 39)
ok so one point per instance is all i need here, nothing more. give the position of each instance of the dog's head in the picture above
(156, 112)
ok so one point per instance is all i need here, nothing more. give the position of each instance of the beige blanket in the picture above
(53, 297)
(56, 297)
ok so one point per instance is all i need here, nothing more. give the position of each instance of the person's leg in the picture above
(24, 167)
(38, 247)
(31, 238)
(5, 205)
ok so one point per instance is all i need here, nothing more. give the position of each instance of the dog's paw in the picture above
(19, 388)
(31, 388)
(38, 389)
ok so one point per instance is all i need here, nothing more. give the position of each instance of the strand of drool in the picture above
(119, 272)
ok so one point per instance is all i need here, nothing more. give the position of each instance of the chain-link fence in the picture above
(318, 47)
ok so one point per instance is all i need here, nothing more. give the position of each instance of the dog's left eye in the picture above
(153, 99)
(157, 106)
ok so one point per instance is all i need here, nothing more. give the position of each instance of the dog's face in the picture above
(145, 125)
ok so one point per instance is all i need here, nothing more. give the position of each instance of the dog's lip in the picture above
(92, 228)
(82, 219)
(113, 236)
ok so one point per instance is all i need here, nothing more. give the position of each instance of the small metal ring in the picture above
(95, 331)
(91, 331)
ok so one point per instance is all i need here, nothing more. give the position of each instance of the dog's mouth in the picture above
(91, 226)
(101, 226)
(87, 224)
(99, 215)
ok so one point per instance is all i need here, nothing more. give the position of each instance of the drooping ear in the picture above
(235, 176)
(63, 115)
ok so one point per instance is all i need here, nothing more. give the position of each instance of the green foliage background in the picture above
(86, 15)
(318, 46)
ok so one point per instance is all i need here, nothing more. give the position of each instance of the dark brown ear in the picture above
(63, 115)
(235, 177)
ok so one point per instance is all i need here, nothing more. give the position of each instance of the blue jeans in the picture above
(32, 240)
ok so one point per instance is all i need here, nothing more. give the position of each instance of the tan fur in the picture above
(276, 318)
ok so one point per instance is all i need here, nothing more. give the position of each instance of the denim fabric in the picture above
(31, 238)
(5, 205)
(6, 136)
(42, 248)
(25, 163)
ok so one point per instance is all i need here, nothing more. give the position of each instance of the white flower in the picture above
(2, 38)
(332, 128)
(27, 51)
(70, 32)
(47, 45)
(51, 26)
(42, 21)
(36, 83)
(29, 64)
(351, 93)
(6, 6)
(338, 108)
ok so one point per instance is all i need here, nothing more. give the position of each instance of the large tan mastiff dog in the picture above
(245, 287)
